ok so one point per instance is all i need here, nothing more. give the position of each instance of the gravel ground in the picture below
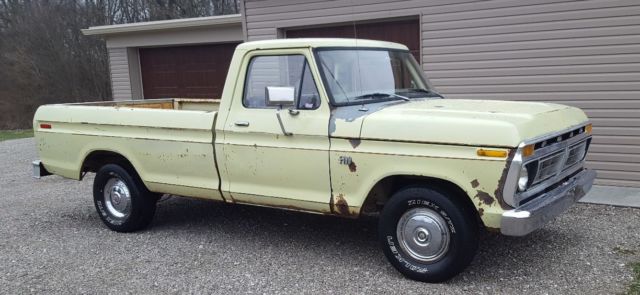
(52, 241)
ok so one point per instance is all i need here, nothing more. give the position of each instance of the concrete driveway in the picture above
(52, 241)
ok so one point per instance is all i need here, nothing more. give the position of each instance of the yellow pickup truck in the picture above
(340, 127)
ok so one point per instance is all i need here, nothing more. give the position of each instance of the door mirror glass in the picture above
(280, 96)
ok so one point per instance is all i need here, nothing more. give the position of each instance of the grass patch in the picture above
(15, 134)
(634, 288)
(624, 251)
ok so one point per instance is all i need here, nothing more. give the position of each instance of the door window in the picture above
(280, 71)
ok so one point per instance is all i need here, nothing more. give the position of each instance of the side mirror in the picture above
(280, 96)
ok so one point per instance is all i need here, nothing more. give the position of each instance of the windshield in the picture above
(357, 76)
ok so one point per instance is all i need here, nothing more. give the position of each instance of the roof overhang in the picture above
(174, 24)
(319, 43)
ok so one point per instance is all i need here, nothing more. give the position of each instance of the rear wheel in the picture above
(428, 235)
(121, 199)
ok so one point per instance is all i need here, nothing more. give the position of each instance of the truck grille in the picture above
(576, 154)
(555, 163)
(560, 138)
(554, 158)
(548, 167)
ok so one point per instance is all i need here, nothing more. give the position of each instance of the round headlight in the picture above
(523, 179)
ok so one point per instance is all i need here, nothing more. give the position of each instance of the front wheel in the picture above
(121, 199)
(427, 234)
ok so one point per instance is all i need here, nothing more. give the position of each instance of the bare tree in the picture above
(45, 58)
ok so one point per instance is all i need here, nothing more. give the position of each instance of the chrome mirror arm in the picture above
(280, 122)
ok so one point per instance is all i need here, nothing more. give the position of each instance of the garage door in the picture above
(406, 32)
(186, 71)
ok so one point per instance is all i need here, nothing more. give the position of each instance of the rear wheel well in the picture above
(386, 187)
(96, 159)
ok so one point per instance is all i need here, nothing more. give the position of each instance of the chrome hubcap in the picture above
(423, 234)
(117, 198)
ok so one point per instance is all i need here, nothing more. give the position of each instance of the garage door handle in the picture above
(242, 124)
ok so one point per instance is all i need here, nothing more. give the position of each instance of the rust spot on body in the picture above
(485, 197)
(354, 143)
(353, 167)
(481, 211)
(475, 183)
(503, 179)
(339, 206)
(493, 230)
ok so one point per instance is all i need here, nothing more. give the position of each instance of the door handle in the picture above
(293, 112)
(242, 123)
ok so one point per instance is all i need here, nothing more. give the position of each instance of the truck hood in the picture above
(469, 122)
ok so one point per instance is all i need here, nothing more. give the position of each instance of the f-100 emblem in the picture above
(345, 160)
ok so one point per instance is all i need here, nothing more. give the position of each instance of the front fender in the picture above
(371, 161)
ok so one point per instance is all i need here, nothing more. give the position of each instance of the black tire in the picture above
(460, 222)
(140, 208)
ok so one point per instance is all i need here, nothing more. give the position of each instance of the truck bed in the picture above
(168, 141)
(190, 104)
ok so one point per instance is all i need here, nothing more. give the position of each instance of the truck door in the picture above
(277, 154)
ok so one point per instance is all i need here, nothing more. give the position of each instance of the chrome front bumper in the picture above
(534, 214)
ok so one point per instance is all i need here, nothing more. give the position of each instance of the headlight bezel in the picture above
(530, 168)
(523, 178)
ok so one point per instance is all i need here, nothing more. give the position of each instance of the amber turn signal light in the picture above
(588, 128)
(492, 153)
(527, 150)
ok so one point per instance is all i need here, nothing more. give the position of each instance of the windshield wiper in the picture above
(428, 91)
(381, 95)
(334, 77)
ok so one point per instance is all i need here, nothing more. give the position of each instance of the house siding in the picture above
(135, 75)
(120, 78)
(580, 53)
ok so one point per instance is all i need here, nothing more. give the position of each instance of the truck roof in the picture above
(318, 42)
